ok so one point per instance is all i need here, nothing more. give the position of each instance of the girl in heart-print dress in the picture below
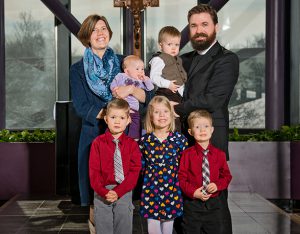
(161, 199)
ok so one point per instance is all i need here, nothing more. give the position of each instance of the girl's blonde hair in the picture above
(149, 126)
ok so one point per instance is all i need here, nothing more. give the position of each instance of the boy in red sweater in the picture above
(114, 166)
(203, 173)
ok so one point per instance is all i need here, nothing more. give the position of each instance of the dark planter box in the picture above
(270, 169)
(295, 169)
(27, 168)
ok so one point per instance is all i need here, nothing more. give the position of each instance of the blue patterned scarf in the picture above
(99, 72)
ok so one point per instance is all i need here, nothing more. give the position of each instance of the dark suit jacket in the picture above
(211, 80)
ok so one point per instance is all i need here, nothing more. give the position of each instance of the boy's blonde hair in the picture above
(149, 126)
(168, 31)
(119, 104)
(129, 59)
(198, 114)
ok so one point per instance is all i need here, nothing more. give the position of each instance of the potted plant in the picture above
(266, 162)
(27, 162)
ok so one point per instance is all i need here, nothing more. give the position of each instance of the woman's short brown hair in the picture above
(87, 27)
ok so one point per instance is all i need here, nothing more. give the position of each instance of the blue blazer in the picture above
(86, 104)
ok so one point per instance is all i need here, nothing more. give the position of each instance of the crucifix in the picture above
(136, 7)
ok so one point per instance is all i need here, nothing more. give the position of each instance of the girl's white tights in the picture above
(160, 226)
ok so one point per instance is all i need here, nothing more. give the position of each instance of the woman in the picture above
(90, 80)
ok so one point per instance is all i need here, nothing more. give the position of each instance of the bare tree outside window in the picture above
(30, 74)
(27, 41)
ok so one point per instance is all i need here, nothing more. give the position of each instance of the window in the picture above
(30, 54)
(242, 30)
(30, 65)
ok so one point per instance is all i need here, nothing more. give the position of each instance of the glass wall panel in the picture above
(30, 54)
(30, 64)
(242, 30)
(81, 9)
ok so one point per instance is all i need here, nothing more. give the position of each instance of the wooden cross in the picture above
(136, 7)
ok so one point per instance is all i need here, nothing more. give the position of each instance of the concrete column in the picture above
(295, 63)
(63, 57)
(275, 63)
(2, 66)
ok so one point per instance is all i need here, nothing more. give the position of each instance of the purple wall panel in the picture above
(27, 168)
(261, 167)
(295, 170)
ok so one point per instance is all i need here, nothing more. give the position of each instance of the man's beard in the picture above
(204, 44)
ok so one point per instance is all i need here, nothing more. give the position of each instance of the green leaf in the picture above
(285, 133)
(28, 136)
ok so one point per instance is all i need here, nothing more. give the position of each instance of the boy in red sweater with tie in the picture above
(203, 173)
(114, 166)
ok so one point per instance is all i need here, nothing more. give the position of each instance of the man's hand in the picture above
(173, 86)
(174, 104)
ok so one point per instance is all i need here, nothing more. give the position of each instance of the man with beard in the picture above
(212, 74)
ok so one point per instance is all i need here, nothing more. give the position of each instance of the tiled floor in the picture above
(250, 214)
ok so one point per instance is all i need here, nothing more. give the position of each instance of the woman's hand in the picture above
(101, 114)
(123, 91)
